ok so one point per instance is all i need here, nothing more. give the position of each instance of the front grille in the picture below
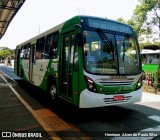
(109, 82)
(111, 100)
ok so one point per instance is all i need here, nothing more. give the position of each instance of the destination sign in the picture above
(109, 25)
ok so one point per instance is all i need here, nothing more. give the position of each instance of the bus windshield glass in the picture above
(106, 53)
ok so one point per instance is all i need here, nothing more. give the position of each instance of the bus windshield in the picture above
(106, 53)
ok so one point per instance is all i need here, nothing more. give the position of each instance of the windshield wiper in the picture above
(106, 41)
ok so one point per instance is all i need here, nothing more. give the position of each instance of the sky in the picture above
(37, 16)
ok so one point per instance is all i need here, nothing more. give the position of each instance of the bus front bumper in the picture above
(90, 99)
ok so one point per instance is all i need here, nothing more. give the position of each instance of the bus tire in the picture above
(52, 90)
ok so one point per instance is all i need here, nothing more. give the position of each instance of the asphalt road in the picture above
(99, 123)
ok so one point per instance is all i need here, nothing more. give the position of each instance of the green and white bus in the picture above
(85, 61)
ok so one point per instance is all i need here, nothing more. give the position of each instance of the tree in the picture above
(4, 52)
(122, 20)
(147, 17)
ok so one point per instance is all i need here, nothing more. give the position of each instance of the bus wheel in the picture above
(53, 90)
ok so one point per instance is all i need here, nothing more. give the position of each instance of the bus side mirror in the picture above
(79, 39)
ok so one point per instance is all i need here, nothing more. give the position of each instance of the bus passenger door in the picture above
(69, 77)
(18, 60)
(31, 62)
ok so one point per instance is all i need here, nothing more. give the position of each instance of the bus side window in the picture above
(40, 48)
(22, 54)
(55, 46)
(27, 51)
(51, 46)
(46, 52)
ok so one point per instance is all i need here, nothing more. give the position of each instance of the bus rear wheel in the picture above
(53, 90)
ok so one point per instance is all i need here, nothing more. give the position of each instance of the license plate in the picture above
(118, 98)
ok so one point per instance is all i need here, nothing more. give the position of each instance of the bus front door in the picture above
(18, 60)
(69, 80)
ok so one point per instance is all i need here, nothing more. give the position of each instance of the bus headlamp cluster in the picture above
(90, 84)
(139, 84)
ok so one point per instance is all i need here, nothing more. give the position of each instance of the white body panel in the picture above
(39, 70)
(90, 99)
(25, 64)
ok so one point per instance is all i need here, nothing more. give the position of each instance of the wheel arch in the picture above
(50, 82)
(50, 79)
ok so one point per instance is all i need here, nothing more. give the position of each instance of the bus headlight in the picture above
(139, 84)
(90, 84)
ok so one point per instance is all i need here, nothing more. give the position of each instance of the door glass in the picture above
(67, 65)
(18, 59)
(65, 69)
(71, 65)
(32, 62)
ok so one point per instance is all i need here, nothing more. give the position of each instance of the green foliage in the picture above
(122, 20)
(157, 43)
(154, 85)
(147, 16)
(5, 51)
